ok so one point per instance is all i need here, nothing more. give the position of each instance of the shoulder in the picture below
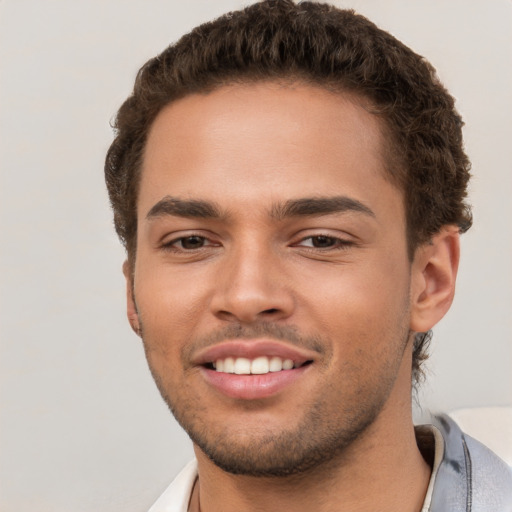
(491, 478)
(471, 476)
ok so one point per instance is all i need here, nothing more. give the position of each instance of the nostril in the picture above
(270, 311)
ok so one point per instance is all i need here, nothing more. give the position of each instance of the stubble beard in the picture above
(317, 439)
(293, 452)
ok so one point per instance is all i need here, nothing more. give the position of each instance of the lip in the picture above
(251, 349)
(253, 387)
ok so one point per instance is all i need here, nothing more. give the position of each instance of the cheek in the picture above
(361, 308)
(172, 307)
(169, 301)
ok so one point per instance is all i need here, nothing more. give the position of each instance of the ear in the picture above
(434, 270)
(131, 308)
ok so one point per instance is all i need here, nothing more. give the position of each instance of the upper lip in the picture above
(251, 349)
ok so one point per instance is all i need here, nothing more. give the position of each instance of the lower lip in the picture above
(252, 387)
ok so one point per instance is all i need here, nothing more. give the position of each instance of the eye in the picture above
(192, 242)
(188, 243)
(324, 242)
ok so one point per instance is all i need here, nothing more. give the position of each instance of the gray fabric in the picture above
(471, 478)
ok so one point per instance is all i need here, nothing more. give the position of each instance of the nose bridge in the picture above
(250, 285)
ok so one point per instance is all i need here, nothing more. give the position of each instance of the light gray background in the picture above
(82, 425)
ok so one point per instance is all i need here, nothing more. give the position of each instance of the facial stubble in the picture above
(320, 436)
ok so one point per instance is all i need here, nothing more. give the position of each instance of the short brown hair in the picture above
(321, 45)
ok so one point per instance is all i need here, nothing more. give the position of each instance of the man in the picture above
(289, 183)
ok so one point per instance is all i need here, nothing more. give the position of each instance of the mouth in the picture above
(253, 369)
(259, 366)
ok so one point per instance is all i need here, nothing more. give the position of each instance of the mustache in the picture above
(288, 333)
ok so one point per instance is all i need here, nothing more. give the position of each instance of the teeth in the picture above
(276, 364)
(259, 366)
(287, 364)
(229, 365)
(242, 366)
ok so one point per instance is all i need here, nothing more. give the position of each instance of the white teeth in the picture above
(259, 366)
(242, 366)
(287, 364)
(276, 364)
(229, 365)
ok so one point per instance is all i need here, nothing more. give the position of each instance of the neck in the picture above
(398, 482)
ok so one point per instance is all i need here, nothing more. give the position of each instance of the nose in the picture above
(251, 286)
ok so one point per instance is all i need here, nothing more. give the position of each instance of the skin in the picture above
(337, 285)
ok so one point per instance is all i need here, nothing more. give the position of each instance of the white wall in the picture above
(82, 425)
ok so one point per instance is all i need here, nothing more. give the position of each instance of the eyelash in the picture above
(172, 244)
(338, 243)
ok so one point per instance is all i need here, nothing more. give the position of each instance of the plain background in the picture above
(82, 425)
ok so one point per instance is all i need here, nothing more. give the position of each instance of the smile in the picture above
(253, 369)
(258, 366)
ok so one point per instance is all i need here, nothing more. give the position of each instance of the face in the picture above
(271, 284)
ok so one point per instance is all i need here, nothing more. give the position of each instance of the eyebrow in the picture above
(192, 208)
(312, 206)
(309, 206)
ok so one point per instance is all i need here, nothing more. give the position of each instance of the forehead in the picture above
(263, 141)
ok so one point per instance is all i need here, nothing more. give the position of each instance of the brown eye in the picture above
(322, 241)
(191, 242)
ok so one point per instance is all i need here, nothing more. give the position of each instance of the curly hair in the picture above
(323, 46)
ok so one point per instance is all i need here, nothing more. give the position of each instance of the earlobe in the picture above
(434, 271)
(131, 308)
